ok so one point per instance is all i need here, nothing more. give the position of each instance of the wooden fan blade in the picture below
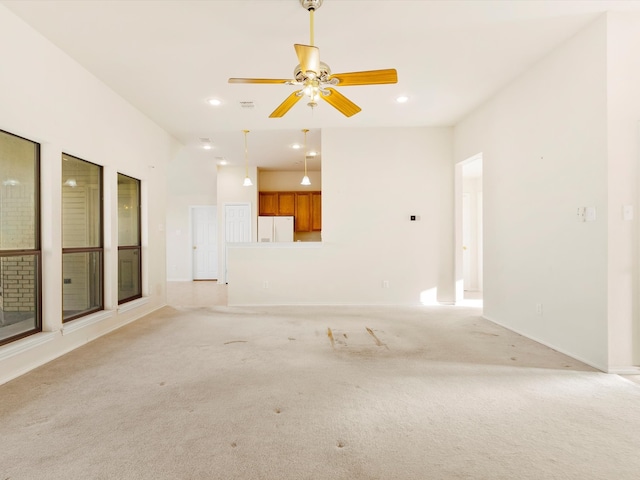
(339, 101)
(258, 80)
(370, 77)
(309, 58)
(285, 106)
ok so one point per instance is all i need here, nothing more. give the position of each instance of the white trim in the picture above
(624, 370)
(26, 344)
(125, 307)
(131, 320)
(86, 321)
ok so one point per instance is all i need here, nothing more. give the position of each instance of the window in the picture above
(129, 242)
(82, 247)
(20, 257)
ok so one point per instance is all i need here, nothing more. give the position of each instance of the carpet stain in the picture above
(277, 410)
(162, 384)
(235, 341)
(487, 334)
(340, 445)
(514, 358)
(291, 338)
(330, 335)
(234, 444)
(376, 339)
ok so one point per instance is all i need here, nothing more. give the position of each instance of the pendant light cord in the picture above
(305, 151)
(246, 160)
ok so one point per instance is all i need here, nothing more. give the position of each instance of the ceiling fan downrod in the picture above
(311, 6)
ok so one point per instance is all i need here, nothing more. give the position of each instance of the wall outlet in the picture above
(265, 284)
(539, 309)
(385, 284)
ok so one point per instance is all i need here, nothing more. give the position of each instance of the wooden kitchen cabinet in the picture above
(303, 212)
(268, 203)
(309, 212)
(316, 211)
(286, 203)
(306, 207)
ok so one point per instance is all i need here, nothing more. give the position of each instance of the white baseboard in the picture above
(629, 370)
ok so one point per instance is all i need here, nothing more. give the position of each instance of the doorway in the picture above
(469, 221)
(204, 239)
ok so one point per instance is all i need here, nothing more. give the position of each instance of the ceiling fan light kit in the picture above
(316, 80)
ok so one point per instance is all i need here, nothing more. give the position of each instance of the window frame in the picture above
(99, 249)
(36, 251)
(137, 247)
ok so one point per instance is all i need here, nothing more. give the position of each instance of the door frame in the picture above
(222, 221)
(192, 239)
(458, 225)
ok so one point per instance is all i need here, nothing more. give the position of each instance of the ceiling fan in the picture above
(316, 79)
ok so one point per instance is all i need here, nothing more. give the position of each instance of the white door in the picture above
(204, 236)
(237, 226)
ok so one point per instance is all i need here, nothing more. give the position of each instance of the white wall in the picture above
(192, 182)
(48, 98)
(623, 136)
(372, 181)
(288, 181)
(544, 145)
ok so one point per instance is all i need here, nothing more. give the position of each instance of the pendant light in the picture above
(247, 181)
(305, 179)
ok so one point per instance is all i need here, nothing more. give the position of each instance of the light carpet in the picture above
(318, 393)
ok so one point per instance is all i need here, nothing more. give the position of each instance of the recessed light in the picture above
(296, 146)
(402, 99)
(312, 153)
(207, 147)
(214, 101)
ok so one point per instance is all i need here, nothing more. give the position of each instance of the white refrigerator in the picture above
(275, 229)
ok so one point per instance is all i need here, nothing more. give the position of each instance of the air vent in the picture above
(248, 105)
(205, 140)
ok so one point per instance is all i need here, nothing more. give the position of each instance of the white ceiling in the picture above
(169, 57)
